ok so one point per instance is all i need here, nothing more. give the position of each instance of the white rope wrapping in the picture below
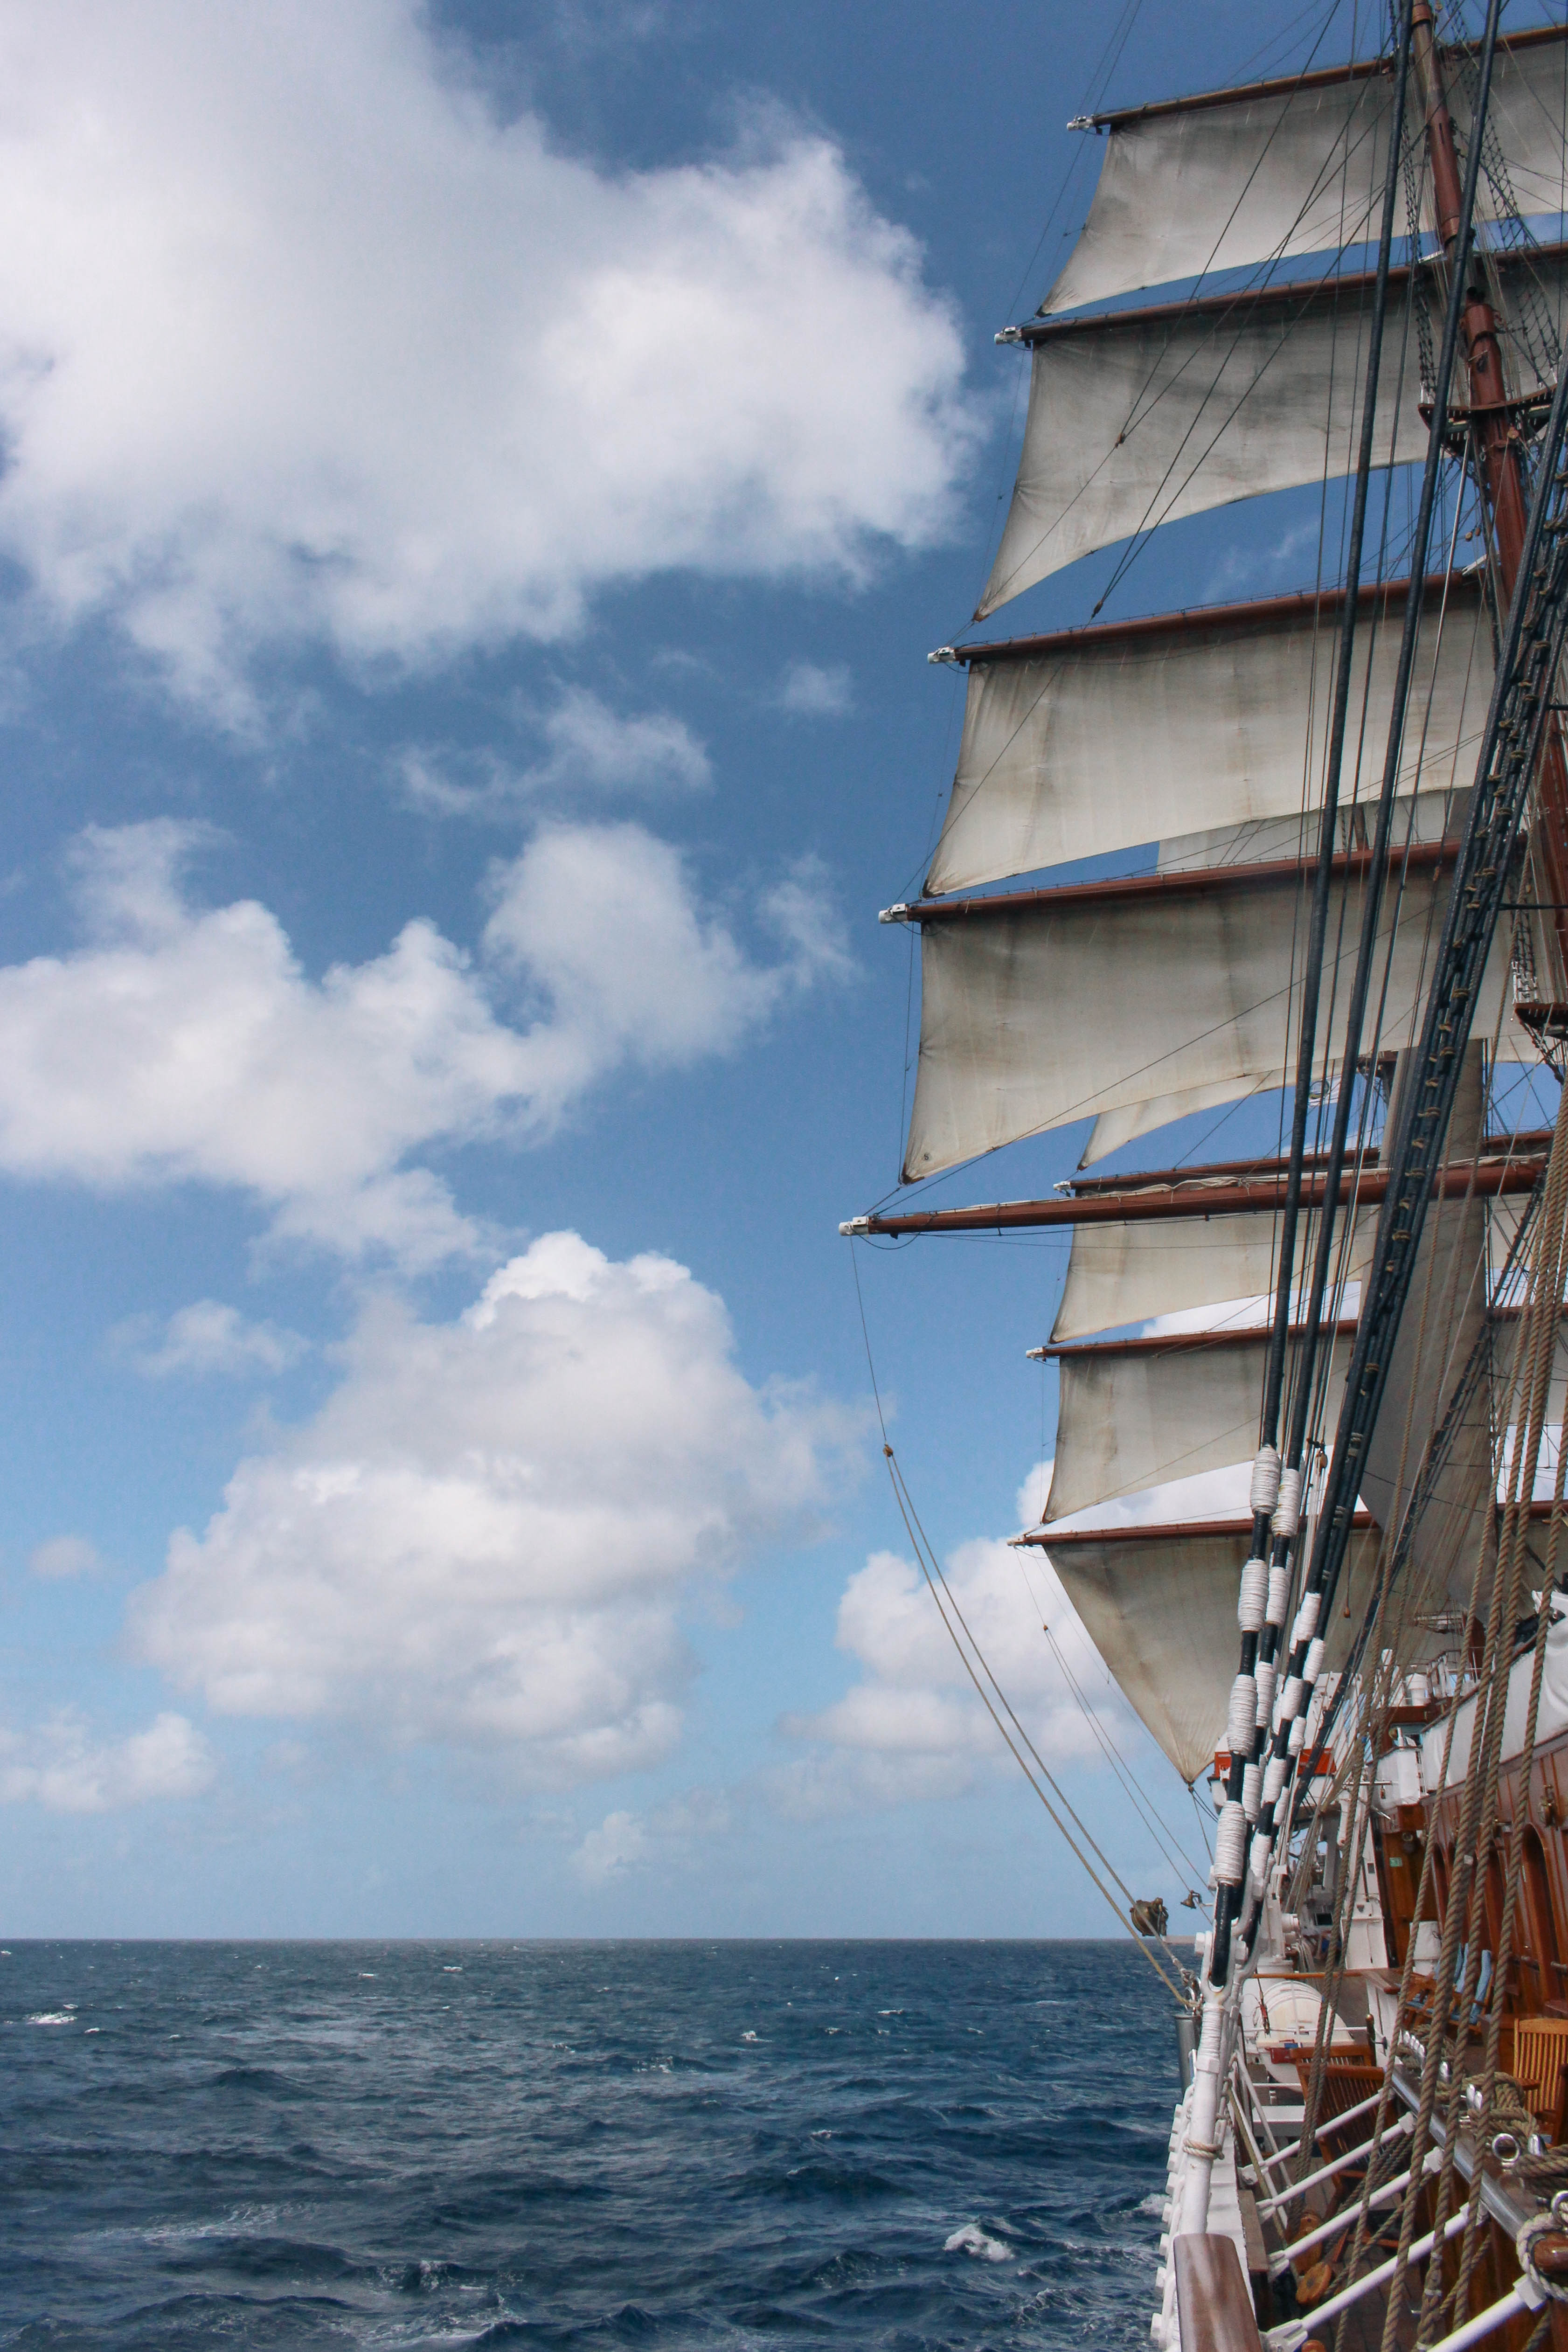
(1265, 1483)
(1242, 1721)
(1279, 1593)
(1253, 1599)
(1297, 1735)
(1230, 1846)
(1288, 1509)
(1274, 1779)
(1257, 1861)
(1266, 1676)
(1306, 1624)
(1252, 1792)
(1290, 1704)
(1314, 1665)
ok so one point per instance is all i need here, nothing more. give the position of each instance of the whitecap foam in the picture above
(52, 2017)
(748, 2035)
(973, 2240)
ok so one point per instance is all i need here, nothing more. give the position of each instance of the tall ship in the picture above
(1300, 865)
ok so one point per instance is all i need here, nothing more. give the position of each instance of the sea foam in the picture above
(973, 2240)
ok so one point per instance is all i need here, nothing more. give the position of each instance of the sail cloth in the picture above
(1139, 417)
(1424, 818)
(1159, 1604)
(1426, 1373)
(1140, 1412)
(1262, 174)
(1141, 1001)
(1504, 1218)
(1158, 1266)
(1098, 740)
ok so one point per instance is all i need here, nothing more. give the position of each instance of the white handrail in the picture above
(1397, 2130)
(1292, 2332)
(1331, 2124)
(1338, 2223)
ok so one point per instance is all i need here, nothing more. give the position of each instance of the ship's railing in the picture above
(1214, 2297)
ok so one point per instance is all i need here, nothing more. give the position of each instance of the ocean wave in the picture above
(304, 2168)
(265, 2080)
(973, 2240)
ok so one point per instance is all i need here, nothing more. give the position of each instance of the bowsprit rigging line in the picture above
(1113, 1756)
(941, 1594)
(930, 1569)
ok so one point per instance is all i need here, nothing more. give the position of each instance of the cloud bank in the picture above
(187, 1044)
(911, 1727)
(63, 1767)
(587, 750)
(209, 1336)
(302, 343)
(487, 1536)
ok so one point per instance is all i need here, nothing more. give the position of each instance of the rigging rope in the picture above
(1171, 1852)
(930, 1569)
(1530, 1373)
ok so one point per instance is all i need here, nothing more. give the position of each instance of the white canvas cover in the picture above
(1160, 1610)
(1256, 177)
(1121, 1274)
(1140, 418)
(1263, 175)
(1428, 817)
(1137, 1007)
(1101, 743)
(1162, 1613)
(1139, 1416)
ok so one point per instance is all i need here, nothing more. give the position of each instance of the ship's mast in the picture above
(1498, 445)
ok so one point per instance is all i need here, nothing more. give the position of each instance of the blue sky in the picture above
(480, 488)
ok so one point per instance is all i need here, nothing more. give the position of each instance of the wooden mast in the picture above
(1498, 450)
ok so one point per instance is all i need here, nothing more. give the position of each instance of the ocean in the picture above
(724, 2145)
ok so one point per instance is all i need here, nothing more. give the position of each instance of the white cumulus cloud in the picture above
(210, 1337)
(63, 1767)
(589, 751)
(912, 1725)
(668, 1838)
(64, 1558)
(487, 1536)
(187, 1042)
(619, 1845)
(817, 689)
(302, 340)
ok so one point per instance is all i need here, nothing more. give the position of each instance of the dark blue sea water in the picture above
(580, 2144)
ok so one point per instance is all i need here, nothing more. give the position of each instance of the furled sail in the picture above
(1131, 1273)
(1243, 177)
(1094, 740)
(1159, 1604)
(1136, 1001)
(1136, 1414)
(1139, 417)
(1427, 1370)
